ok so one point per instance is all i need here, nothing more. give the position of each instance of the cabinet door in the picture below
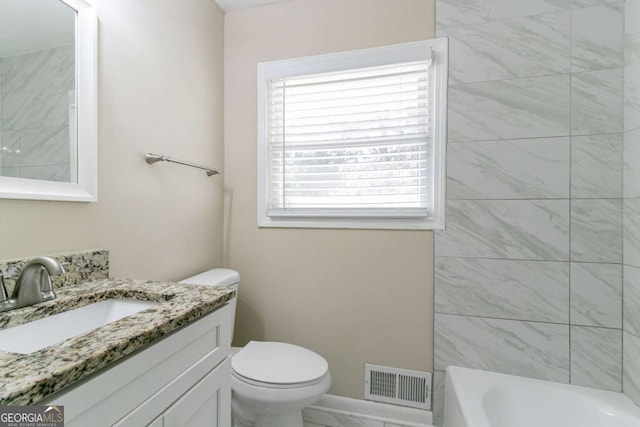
(208, 403)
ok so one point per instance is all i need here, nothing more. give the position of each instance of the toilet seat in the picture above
(278, 365)
(249, 381)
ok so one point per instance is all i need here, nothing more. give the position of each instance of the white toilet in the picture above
(272, 382)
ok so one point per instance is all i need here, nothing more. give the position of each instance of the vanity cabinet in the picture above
(202, 405)
(183, 379)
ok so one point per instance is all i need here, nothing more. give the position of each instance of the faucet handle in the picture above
(3, 290)
(46, 288)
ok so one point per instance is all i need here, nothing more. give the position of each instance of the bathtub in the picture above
(476, 398)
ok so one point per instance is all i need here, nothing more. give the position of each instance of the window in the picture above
(354, 139)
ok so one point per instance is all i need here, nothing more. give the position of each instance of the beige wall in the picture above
(354, 296)
(160, 90)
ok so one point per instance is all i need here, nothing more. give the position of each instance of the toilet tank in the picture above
(219, 277)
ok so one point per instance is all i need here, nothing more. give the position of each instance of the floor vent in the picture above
(397, 386)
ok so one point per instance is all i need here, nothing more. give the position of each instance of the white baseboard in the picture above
(338, 411)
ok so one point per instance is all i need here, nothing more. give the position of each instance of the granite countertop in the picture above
(29, 378)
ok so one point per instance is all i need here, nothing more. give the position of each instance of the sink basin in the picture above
(42, 333)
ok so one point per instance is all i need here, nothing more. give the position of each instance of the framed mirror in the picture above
(48, 100)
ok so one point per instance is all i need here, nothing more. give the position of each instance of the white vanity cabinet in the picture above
(202, 405)
(182, 380)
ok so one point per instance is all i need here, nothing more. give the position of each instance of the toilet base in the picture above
(293, 419)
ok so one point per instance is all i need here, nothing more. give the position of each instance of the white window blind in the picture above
(355, 136)
(351, 143)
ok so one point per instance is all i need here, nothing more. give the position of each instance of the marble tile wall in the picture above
(631, 203)
(529, 271)
(34, 114)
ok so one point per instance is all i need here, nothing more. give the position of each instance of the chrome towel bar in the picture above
(154, 158)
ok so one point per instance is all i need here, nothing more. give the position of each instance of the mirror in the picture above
(48, 133)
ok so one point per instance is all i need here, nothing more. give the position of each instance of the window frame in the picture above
(385, 55)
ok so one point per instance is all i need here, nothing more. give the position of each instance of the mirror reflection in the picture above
(38, 90)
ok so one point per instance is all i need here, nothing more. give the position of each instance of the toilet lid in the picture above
(278, 363)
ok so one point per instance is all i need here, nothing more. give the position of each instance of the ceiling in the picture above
(230, 5)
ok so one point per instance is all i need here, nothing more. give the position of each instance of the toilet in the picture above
(271, 381)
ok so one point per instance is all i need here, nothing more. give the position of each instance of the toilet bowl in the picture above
(271, 381)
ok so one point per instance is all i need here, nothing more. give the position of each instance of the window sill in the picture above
(351, 223)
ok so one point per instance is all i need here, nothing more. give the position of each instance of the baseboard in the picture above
(338, 411)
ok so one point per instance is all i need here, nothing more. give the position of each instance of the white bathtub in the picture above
(476, 398)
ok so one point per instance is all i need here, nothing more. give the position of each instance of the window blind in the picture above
(352, 143)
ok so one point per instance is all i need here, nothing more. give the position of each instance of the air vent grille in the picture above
(398, 386)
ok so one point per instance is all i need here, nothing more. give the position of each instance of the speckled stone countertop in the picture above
(28, 379)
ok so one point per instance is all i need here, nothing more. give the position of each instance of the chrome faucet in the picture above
(33, 285)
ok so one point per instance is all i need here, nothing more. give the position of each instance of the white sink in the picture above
(42, 333)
